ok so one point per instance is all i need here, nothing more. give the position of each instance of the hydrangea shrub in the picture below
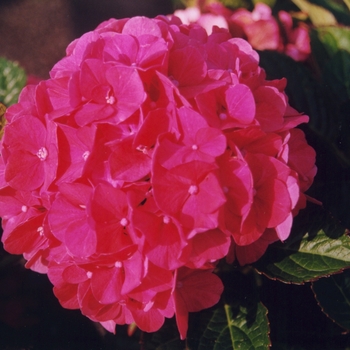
(153, 151)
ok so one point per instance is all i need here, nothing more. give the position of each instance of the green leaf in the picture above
(318, 15)
(333, 296)
(12, 80)
(270, 3)
(239, 321)
(332, 39)
(339, 10)
(231, 328)
(318, 246)
(336, 75)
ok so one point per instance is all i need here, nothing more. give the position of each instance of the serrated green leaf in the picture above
(12, 80)
(229, 329)
(333, 296)
(238, 322)
(318, 15)
(318, 246)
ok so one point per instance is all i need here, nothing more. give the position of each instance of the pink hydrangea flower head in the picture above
(297, 38)
(154, 150)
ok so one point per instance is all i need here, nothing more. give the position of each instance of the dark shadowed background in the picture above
(36, 32)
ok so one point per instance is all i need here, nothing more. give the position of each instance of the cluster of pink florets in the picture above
(153, 151)
(259, 27)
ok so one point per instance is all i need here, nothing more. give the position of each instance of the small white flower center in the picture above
(40, 230)
(166, 219)
(89, 274)
(142, 149)
(24, 208)
(110, 99)
(86, 155)
(42, 153)
(118, 264)
(194, 147)
(124, 221)
(193, 189)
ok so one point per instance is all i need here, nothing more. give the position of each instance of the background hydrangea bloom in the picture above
(153, 151)
(259, 27)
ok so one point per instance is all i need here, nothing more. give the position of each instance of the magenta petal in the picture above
(209, 246)
(24, 171)
(199, 289)
(108, 204)
(122, 48)
(26, 128)
(270, 108)
(153, 52)
(106, 284)
(157, 122)
(138, 26)
(26, 237)
(240, 103)
(128, 163)
(80, 238)
(68, 222)
(250, 253)
(211, 141)
(181, 314)
(148, 321)
(67, 295)
(191, 121)
(128, 90)
(74, 274)
(187, 66)
(164, 243)
(92, 112)
(133, 268)
(195, 290)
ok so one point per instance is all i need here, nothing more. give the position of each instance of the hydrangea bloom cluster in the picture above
(258, 27)
(153, 151)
